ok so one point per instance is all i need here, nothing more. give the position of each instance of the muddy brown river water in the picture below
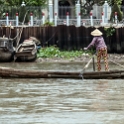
(60, 101)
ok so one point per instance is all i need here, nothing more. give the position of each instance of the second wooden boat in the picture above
(6, 49)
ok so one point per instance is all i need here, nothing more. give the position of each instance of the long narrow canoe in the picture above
(21, 73)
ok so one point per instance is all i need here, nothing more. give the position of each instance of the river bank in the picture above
(119, 58)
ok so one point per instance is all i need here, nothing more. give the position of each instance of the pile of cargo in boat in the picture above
(26, 51)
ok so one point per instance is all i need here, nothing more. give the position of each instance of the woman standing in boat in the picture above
(101, 48)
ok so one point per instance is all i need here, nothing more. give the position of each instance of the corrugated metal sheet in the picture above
(68, 37)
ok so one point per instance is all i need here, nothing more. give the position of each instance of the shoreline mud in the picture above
(119, 58)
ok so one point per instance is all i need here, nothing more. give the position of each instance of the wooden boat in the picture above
(6, 49)
(21, 73)
(26, 51)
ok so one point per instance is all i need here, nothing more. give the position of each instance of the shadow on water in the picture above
(60, 101)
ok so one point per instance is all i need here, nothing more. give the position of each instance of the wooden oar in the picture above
(88, 63)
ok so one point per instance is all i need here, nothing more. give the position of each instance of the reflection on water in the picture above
(61, 101)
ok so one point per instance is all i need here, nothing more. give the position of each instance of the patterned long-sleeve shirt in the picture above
(98, 42)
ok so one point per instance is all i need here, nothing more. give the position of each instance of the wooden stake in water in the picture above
(93, 64)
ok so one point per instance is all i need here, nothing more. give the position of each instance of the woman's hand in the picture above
(85, 48)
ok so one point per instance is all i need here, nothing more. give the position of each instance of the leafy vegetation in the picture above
(23, 16)
(116, 8)
(54, 52)
(112, 2)
(47, 23)
(19, 2)
(109, 31)
(88, 5)
(12, 6)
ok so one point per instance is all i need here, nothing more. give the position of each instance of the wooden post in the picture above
(93, 64)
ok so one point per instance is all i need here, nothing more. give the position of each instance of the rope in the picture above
(116, 63)
(50, 37)
(20, 33)
(16, 35)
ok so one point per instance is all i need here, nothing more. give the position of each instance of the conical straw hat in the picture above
(96, 32)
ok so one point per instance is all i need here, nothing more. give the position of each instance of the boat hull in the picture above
(22, 73)
(6, 56)
(6, 50)
(26, 58)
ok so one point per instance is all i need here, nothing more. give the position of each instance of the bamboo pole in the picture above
(88, 63)
(21, 30)
(93, 63)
